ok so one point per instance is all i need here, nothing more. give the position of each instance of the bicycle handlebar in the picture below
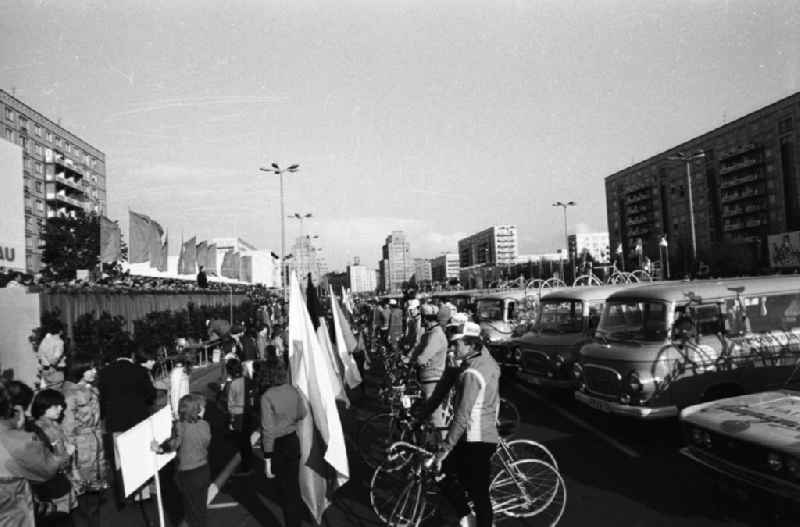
(410, 446)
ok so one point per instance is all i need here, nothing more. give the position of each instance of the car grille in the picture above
(602, 381)
(535, 363)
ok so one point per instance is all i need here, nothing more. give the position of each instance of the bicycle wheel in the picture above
(400, 498)
(532, 489)
(517, 450)
(375, 436)
(507, 418)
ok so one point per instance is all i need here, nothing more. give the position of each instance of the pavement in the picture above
(618, 472)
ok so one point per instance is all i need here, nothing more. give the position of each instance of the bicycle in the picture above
(404, 493)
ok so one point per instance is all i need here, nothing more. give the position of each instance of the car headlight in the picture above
(577, 371)
(517, 354)
(775, 461)
(793, 466)
(701, 437)
(559, 361)
(508, 354)
(634, 384)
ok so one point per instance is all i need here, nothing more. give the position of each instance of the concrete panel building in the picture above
(596, 244)
(396, 266)
(360, 278)
(744, 187)
(62, 173)
(496, 245)
(444, 268)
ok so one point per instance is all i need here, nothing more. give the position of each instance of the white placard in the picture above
(137, 461)
(12, 225)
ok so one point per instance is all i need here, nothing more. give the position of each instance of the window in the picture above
(39, 205)
(38, 130)
(39, 186)
(9, 134)
(50, 136)
(10, 115)
(780, 312)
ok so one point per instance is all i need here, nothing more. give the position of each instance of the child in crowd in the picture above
(237, 409)
(47, 411)
(191, 436)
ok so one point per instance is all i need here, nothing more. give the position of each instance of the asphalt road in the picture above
(618, 472)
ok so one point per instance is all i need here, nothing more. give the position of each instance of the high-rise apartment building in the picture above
(307, 258)
(496, 245)
(62, 172)
(593, 243)
(360, 278)
(742, 184)
(396, 265)
(444, 268)
(422, 271)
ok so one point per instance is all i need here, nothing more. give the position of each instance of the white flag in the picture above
(345, 344)
(323, 456)
(335, 368)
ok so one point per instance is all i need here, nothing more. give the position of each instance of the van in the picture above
(565, 322)
(662, 347)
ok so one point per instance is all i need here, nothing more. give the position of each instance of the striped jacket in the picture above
(477, 402)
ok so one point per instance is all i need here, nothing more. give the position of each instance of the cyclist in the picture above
(413, 333)
(394, 325)
(472, 436)
(431, 356)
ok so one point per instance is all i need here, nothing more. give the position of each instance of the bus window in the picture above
(707, 319)
(595, 309)
(511, 311)
(625, 320)
(769, 313)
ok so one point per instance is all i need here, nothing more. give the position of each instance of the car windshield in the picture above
(633, 320)
(490, 309)
(560, 316)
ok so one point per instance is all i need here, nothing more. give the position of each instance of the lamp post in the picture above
(300, 217)
(566, 236)
(687, 158)
(275, 169)
(665, 259)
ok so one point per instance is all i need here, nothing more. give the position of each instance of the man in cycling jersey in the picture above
(430, 355)
(472, 436)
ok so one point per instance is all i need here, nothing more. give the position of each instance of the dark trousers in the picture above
(468, 471)
(193, 486)
(286, 467)
(242, 430)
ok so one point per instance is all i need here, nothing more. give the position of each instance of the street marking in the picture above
(580, 422)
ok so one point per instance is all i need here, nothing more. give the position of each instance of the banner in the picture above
(188, 258)
(227, 269)
(202, 255)
(323, 456)
(136, 461)
(784, 249)
(156, 244)
(110, 240)
(12, 227)
(162, 263)
(237, 266)
(138, 237)
(246, 274)
(346, 343)
(211, 260)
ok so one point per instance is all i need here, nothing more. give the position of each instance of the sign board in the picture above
(12, 226)
(784, 249)
(137, 462)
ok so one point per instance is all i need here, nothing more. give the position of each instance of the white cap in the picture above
(413, 303)
(468, 329)
(458, 319)
(392, 302)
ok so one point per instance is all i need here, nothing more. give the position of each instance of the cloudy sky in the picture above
(438, 118)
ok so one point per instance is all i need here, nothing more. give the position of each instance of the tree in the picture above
(71, 244)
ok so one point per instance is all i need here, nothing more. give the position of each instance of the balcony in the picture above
(748, 193)
(637, 197)
(741, 180)
(638, 220)
(738, 150)
(60, 179)
(744, 224)
(730, 212)
(61, 197)
(739, 165)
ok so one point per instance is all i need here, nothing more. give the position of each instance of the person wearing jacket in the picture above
(430, 355)
(472, 436)
(413, 333)
(282, 409)
(23, 458)
(395, 325)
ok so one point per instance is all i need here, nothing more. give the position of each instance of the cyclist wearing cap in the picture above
(472, 436)
(431, 355)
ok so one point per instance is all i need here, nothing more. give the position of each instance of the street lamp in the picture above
(665, 259)
(300, 217)
(566, 236)
(275, 169)
(688, 158)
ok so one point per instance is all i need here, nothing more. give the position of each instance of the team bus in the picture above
(662, 347)
(566, 320)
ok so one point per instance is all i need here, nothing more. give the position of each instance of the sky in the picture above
(436, 118)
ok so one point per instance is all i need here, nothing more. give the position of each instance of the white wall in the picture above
(12, 224)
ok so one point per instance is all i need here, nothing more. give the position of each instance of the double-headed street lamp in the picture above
(688, 158)
(275, 169)
(566, 236)
(301, 217)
